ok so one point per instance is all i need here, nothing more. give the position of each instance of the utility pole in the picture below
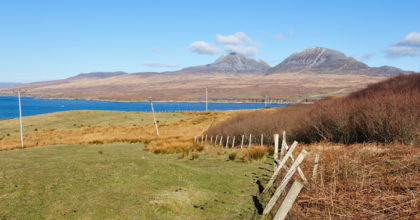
(154, 117)
(206, 101)
(20, 120)
(265, 101)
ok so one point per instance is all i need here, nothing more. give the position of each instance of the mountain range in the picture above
(312, 72)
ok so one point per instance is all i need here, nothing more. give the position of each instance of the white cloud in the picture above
(412, 39)
(249, 51)
(238, 42)
(408, 46)
(231, 39)
(236, 39)
(202, 47)
(159, 64)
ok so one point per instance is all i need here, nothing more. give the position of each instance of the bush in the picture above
(194, 155)
(232, 155)
(253, 153)
(385, 112)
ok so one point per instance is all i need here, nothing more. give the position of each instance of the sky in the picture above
(47, 40)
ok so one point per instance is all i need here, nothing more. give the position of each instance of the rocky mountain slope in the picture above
(231, 63)
(324, 60)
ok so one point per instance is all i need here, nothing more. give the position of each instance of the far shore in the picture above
(210, 100)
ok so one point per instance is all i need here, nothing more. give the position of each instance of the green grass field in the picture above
(124, 182)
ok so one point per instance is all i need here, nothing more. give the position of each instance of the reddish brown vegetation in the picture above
(384, 112)
(360, 182)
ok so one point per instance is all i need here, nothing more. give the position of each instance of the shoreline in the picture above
(284, 102)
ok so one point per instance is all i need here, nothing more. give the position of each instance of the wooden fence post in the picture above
(227, 141)
(205, 140)
(262, 139)
(284, 182)
(221, 138)
(283, 146)
(250, 140)
(242, 142)
(288, 201)
(281, 164)
(211, 139)
(315, 167)
(202, 139)
(233, 142)
(276, 150)
(215, 140)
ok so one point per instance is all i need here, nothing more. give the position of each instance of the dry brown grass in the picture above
(363, 181)
(174, 137)
(254, 153)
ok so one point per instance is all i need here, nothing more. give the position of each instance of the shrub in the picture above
(254, 153)
(194, 155)
(385, 112)
(100, 152)
(232, 155)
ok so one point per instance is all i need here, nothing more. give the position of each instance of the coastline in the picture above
(227, 100)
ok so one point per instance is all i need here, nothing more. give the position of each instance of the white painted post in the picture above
(250, 140)
(20, 122)
(315, 167)
(154, 117)
(221, 138)
(284, 182)
(262, 139)
(211, 139)
(242, 142)
(215, 140)
(227, 141)
(281, 164)
(205, 140)
(276, 150)
(195, 139)
(233, 142)
(288, 201)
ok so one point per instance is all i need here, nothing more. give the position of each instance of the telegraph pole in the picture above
(154, 117)
(20, 121)
(206, 100)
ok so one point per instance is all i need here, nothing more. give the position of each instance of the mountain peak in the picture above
(233, 62)
(319, 60)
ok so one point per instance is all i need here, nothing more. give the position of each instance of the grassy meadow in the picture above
(122, 181)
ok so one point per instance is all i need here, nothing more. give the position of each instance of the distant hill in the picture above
(326, 61)
(99, 75)
(312, 73)
(8, 84)
(231, 63)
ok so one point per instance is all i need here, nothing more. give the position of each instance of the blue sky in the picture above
(47, 40)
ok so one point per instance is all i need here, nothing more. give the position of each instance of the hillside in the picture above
(309, 74)
(231, 63)
(324, 60)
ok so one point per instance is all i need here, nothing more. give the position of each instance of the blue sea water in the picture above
(9, 106)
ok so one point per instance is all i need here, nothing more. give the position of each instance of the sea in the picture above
(9, 106)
